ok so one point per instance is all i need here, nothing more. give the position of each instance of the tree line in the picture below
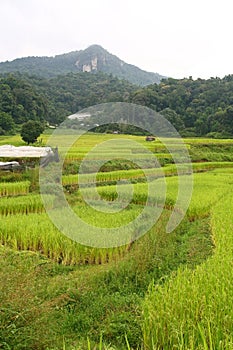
(24, 98)
(195, 107)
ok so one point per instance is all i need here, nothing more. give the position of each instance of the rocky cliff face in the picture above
(88, 67)
(95, 58)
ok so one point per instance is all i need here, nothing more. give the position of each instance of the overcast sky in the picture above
(178, 38)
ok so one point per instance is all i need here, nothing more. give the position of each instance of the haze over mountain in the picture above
(93, 59)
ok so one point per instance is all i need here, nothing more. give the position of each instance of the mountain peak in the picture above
(95, 47)
(93, 59)
(96, 58)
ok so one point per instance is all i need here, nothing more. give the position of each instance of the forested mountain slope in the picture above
(92, 60)
(24, 98)
(196, 107)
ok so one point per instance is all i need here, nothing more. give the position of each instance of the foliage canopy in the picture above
(31, 130)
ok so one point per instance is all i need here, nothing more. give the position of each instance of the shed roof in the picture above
(10, 151)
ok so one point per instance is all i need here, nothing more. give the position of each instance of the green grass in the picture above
(57, 294)
(45, 305)
(193, 309)
(83, 302)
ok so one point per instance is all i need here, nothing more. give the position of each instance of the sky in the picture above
(176, 38)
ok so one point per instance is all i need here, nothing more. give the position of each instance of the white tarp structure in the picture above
(9, 165)
(2, 164)
(79, 116)
(9, 151)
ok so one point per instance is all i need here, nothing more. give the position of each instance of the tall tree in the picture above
(31, 130)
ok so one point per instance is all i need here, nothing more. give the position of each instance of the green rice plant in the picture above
(196, 167)
(14, 188)
(134, 174)
(36, 232)
(24, 204)
(117, 175)
(205, 166)
(15, 140)
(200, 140)
(194, 308)
(103, 177)
(96, 215)
(208, 189)
(110, 194)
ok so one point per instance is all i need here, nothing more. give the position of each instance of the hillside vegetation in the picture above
(24, 98)
(94, 59)
(195, 107)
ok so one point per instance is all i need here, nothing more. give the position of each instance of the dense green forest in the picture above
(195, 107)
(24, 98)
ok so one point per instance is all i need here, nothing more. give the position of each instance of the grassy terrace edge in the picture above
(194, 309)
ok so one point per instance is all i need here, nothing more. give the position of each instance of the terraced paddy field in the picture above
(165, 290)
